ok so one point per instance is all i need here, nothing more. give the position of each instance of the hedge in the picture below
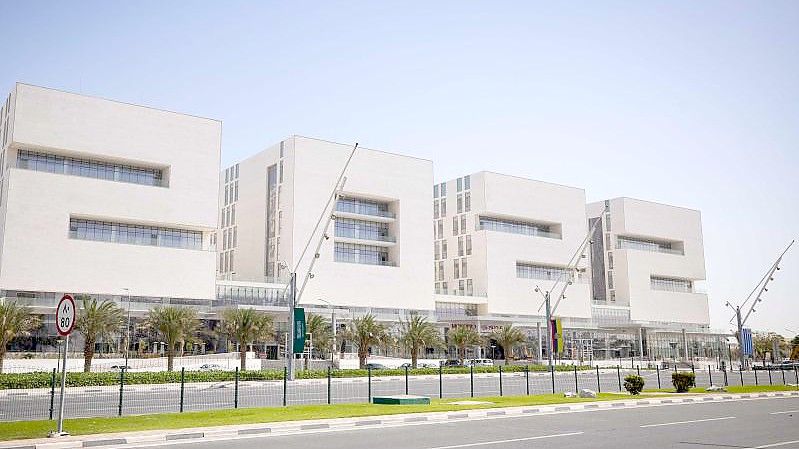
(10, 381)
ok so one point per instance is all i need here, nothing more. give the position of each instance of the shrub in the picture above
(634, 384)
(683, 381)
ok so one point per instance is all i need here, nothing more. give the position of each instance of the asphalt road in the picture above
(761, 423)
(141, 399)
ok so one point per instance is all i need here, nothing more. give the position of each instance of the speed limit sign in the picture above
(65, 316)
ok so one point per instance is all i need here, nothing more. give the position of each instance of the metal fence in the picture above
(240, 391)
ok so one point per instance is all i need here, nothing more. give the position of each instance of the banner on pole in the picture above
(557, 335)
(746, 341)
(299, 330)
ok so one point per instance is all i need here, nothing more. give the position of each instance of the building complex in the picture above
(128, 203)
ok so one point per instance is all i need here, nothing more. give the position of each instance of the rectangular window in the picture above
(31, 160)
(469, 287)
(363, 207)
(654, 246)
(464, 271)
(362, 254)
(468, 245)
(362, 230)
(224, 239)
(443, 207)
(613, 295)
(436, 251)
(444, 287)
(441, 229)
(543, 272)
(459, 200)
(227, 197)
(105, 231)
(467, 182)
(607, 222)
(231, 267)
(435, 191)
(517, 227)
(236, 189)
(280, 173)
(441, 271)
(461, 287)
(610, 260)
(460, 184)
(607, 241)
(460, 246)
(467, 199)
(443, 249)
(443, 189)
(463, 224)
(435, 209)
(455, 225)
(610, 279)
(237, 171)
(234, 236)
(233, 214)
(456, 268)
(671, 284)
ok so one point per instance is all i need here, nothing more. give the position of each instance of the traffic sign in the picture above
(65, 316)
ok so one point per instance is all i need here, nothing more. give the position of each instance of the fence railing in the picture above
(240, 389)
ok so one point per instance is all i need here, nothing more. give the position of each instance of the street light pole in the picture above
(127, 330)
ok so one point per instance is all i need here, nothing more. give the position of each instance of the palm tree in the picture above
(15, 320)
(96, 320)
(245, 326)
(417, 333)
(365, 332)
(320, 331)
(461, 337)
(508, 337)
(174, 325)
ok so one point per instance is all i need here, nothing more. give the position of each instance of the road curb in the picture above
(323, 425)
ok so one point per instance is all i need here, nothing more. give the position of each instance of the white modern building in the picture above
(377, 256)
(498, 237)
(648, 270)
(105, 198)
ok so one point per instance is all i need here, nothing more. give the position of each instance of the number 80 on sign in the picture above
(65, 316)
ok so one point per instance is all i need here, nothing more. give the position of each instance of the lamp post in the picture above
(127, 329)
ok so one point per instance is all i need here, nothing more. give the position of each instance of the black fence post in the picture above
(710, 376)
(576, 387)
(632, 362)
(406, 379)
(783, 376)
(657, 367)
(796, 374)
(726, 381)
(741, 372)
(471, 380)
(440, 381)
(285, 382)
(598, 383)
(769, 377)
(527, 379)
(369, 382)
(638, 369)
(500, 380)
(236, 389)
(552, 376)
(121, 388)
(52, 393)
(329, 380)
(182, 386)
(755, 371)
(618, 374)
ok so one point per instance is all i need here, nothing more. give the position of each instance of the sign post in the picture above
(64, 323)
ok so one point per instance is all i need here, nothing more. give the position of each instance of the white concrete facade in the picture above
(378, 253)
(648, 258)
(498, 236)
(100, 196)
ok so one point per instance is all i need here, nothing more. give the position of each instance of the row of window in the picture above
(464, 202)
(364, 230)
(231, 173)
(363, 207)
(440, 208)
(226, 261)
(363, 254)
(646, 245)
(440, 250)
(459, 267)
(105, 231)
(440, 190)
(671, 284)
(32, 160)
(517, 227)
(231, 192)
(229, 216)
(456, 309)
(229, 238)
(542, 272)
(455, 221)
(464, 183)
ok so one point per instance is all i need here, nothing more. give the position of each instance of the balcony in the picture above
(354, 209)
(353, 236)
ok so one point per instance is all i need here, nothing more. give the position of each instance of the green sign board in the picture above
(299, 330)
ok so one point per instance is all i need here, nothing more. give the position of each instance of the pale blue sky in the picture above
(689, 103)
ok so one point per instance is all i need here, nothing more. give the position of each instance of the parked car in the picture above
(210, 367)
(480, 362)
(125, 367)
(784, 365)
(374, 366)
(452, 364)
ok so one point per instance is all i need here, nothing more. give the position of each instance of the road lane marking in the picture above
(686, 422)
(775, 444)
(511, 440)
(782, 413)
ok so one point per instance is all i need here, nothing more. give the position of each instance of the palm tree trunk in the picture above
(170, 357)
(362, 358)
(88, 354)
(243, 358)
(414, 357)
(2, 357)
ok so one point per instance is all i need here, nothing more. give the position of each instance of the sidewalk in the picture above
(130, 439)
